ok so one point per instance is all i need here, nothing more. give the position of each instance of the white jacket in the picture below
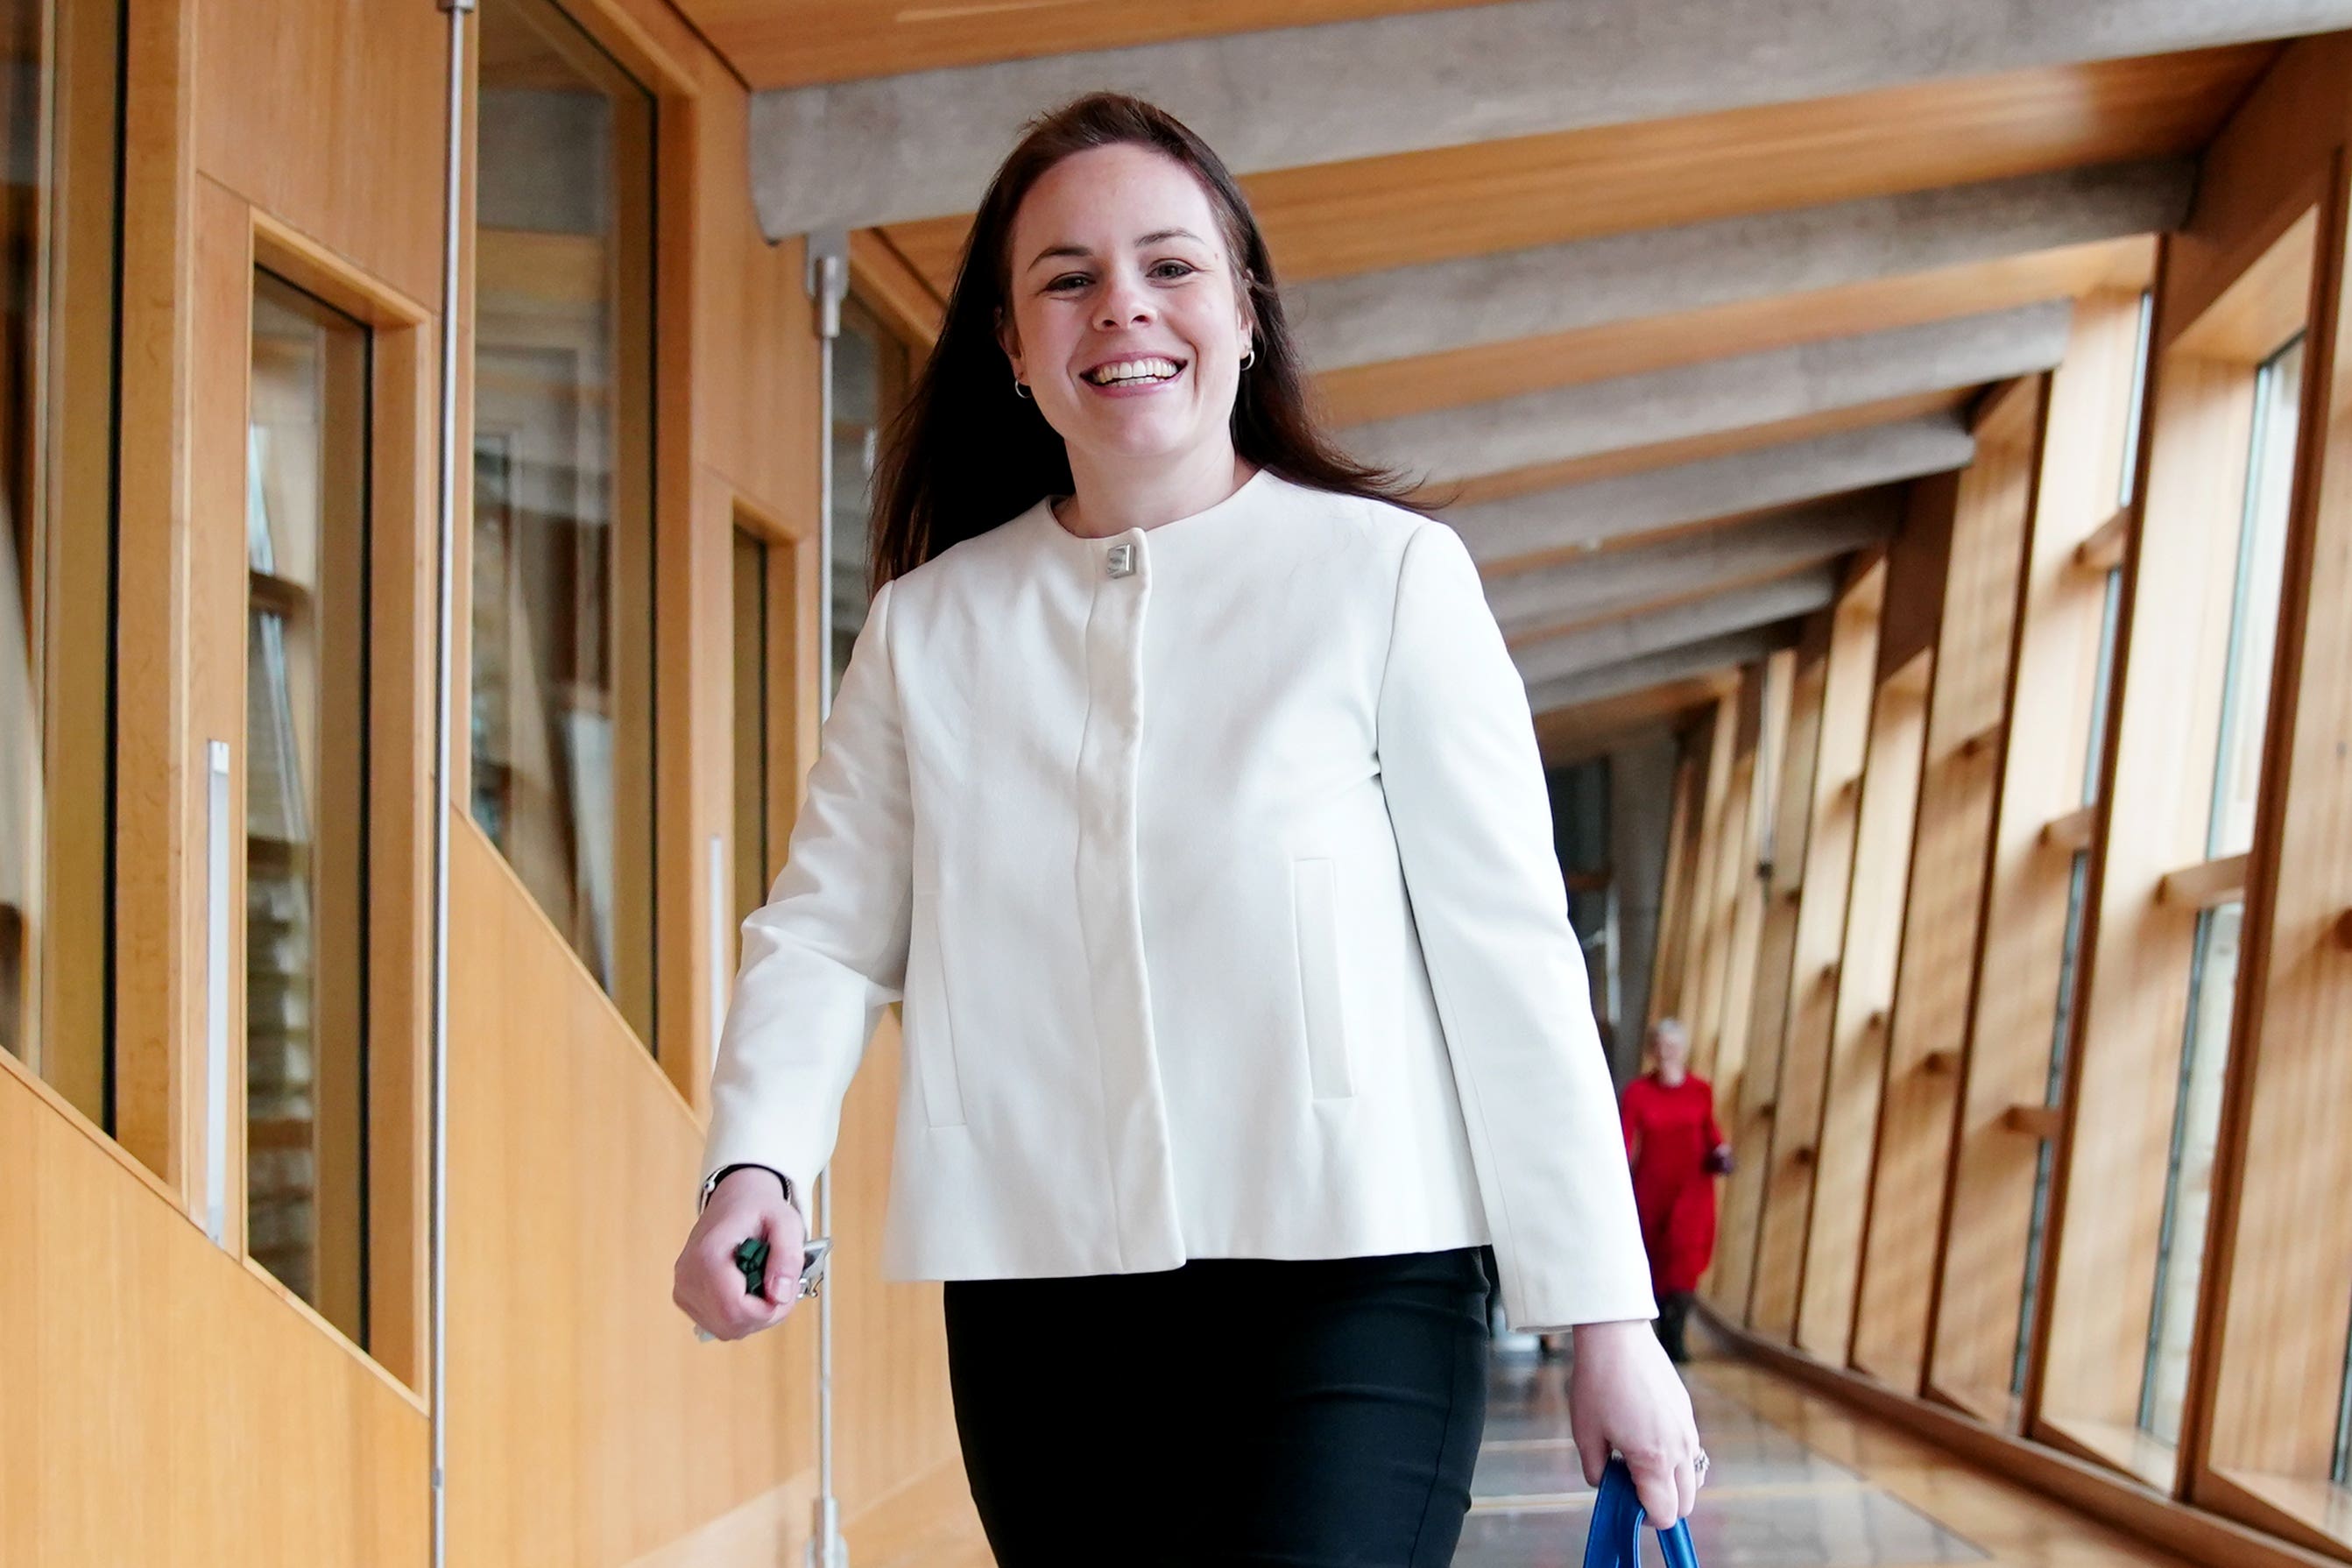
(1213, 865)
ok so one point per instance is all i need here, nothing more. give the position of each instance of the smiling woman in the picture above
(1183, 790)
(1112, 237)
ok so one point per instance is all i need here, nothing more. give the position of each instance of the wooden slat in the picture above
(1751, 1114)
(2270, 1427)
(1940, 936)
(1982, 1251)
(1705, 931)
(2102, 550)
(2071, 832)
(2042, 1121)
(1726, 875)
(2254, 317)
(1730, 1065)
(1856, 1070)
(1820, 936)
(1674, 883)
(1362, 216)
(1506, 369)
(2109, 1194)
(792, 43)
(2205, 884)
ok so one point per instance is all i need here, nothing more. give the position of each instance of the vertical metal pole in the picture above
(446, 549)
(828, 285)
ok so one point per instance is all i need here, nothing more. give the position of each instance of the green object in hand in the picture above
(752, 1257)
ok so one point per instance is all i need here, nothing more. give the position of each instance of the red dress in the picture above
(1669, 1133)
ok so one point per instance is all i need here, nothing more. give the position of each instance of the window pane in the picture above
(869, 379)
(562, 574)
(305, 800)
(753, 629)
(2188, 1180)
(59, 85)
(23, 565)
(2254, 621)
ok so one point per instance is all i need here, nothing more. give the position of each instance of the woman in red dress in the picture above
(1677, 1152)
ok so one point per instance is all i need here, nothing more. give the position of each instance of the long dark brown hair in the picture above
(966, 453)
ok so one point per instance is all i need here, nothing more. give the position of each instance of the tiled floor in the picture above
(1797, 1481)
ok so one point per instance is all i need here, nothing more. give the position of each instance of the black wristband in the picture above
(724, 1172)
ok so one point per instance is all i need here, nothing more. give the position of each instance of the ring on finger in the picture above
(1698, 1466)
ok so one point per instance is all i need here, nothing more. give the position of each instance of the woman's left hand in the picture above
(1624, 1395)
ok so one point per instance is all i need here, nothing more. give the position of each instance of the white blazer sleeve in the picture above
(1472, 823)
(827, 952)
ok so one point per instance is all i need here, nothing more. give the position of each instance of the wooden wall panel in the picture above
(1721, 873)
(353, 156)
(2124, 1075)
(1940, 928)
(587, 1423)
(1865, 994)
(1729, 1064)
(167, 1402)
(2262, 1429)
(2049, 701)
(1813, 971)
(1749, 1119)
(1676, 901)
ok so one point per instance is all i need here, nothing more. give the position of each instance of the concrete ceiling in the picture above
(875, 151)
(1722, 394)
(1675, 312)
(1403, 312)
(1531, 528)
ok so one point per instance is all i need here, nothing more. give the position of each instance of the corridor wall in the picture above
(2039, 1147)
(169, 1398)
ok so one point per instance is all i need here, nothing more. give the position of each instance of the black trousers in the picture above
(1246, 1411)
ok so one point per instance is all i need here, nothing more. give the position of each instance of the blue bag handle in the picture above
(1617, 1519)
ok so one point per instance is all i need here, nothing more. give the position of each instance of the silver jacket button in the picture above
(1122, 560)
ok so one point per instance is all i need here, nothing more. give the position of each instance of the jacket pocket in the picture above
(930, 1017)
(1315, 925)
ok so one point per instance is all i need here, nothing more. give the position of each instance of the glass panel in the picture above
(58, 89)
(2253, 620)
(870, 368)
(563, 590)
(752, 633)
(2188, 1178)
(305, 800)
(2339, 1466)
(2213, 971)
(23, 565)
(2053, 1093)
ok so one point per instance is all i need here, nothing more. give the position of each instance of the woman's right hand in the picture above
(706, 1283)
